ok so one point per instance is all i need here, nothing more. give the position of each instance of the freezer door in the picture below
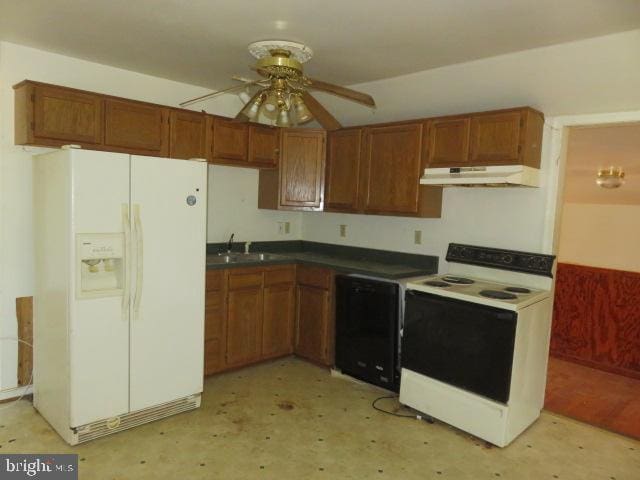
(169, 205)
(99, 325)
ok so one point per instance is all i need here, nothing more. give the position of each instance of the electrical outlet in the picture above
(417, 237)
(287, 227)
(343, 231)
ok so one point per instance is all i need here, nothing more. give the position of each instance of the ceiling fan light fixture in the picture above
(302, 113)
(612, 177)
(283, 119)
(252, 109)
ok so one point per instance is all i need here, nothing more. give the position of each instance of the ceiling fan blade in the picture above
(243, 117)
(218, 92)
(320, 113)
(343, 92)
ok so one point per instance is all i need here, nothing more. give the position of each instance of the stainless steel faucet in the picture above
(230, 243)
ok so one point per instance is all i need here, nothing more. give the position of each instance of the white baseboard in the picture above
(15, 392)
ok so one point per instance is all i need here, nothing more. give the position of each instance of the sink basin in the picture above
(241, 257)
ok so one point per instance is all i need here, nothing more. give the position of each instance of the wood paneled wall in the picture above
(596, 318)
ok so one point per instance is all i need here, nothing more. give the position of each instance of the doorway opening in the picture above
(594, 365)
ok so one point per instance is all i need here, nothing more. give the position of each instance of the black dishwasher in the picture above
(367, 330)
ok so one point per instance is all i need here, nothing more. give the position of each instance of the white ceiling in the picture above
(203, 42)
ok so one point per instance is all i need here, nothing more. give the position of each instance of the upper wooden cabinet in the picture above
(229, 142)
(302, 168)
(264, 146)
(391, 169)
(447, 141)
(136, 127)
(187, 134)
(298, 183)
(344, 148)
(53, 116)
(505, 137)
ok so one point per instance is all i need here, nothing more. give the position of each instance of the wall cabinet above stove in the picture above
(503, 137)
(376, 170)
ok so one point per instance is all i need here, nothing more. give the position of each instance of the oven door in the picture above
(464, 344)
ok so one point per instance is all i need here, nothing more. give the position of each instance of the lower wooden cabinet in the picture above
(278, 313)
(215, 322)
(244, 317)
(315, 337)
(249, 315)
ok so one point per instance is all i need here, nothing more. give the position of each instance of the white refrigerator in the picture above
(120, 244)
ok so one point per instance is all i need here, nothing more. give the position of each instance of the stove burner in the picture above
(500, 295)
(517, 290)
(458, 280)
(436, 283)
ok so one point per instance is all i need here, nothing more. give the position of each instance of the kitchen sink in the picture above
(241, 258)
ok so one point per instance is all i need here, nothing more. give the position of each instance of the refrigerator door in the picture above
(99, 324)
(169, 205)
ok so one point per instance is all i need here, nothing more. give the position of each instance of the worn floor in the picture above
(600, 398)
(291, 420)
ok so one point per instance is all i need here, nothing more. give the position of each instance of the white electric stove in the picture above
(475, 341)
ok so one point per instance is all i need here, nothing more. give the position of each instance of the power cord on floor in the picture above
(417, 416)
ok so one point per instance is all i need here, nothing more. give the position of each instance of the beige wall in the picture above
(601, 227)
(606, 236)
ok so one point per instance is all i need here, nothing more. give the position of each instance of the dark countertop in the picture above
(364, 261)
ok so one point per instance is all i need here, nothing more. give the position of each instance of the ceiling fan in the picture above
(283, 97)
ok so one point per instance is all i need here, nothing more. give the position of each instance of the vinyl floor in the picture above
(291, 420)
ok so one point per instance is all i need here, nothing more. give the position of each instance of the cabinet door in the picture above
(136, 127)
(302, 169)
(229, 142)
(67, 115)
(244, 317)
(495, 138)
(393, 166)
(264, 146)
(187, 135)
(448, 142)
(312, 319)
(342, 171)
(277, 322)
(215, 339)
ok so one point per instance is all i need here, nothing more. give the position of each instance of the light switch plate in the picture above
(343, 231)
(287, 227)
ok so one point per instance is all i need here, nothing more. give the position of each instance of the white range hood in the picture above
(484, 176)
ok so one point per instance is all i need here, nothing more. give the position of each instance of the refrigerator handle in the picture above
(126, 296)
(139, 260)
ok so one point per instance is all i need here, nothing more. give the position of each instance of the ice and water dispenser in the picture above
(100, 265)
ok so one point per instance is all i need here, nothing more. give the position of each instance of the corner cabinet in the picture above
(249, 315)
(344, 149)
(390, 173)
(503, 137)
(298, 183)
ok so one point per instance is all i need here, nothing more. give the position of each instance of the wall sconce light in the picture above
(612, 177)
